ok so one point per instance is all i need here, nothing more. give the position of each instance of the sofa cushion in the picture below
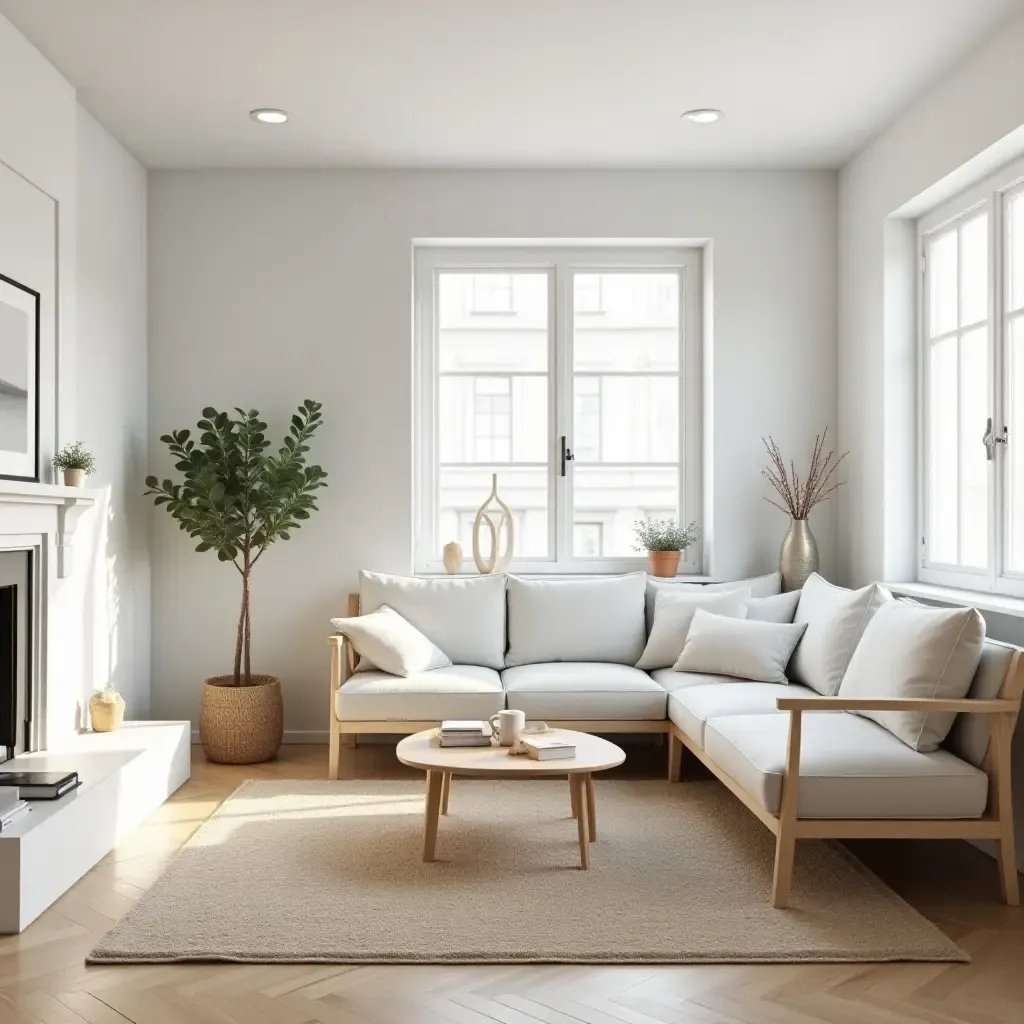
(673, 614)
(759, 586)
(759, 651)
(969, 736)
(910, 650)
(583, 690)
(464, 617)
(836, 619)
(598, 619)
(849, 768)
(690, 707)
(386, 641)
(780, 608)
(461, 691)
(671, 680)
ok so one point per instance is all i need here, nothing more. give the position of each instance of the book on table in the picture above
(548, 749)
(464, 733)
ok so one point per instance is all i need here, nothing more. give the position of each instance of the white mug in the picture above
(509, 727)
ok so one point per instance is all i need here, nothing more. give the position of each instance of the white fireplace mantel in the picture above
(21, 504)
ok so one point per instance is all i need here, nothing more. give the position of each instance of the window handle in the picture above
(566, 454)
(990, 439)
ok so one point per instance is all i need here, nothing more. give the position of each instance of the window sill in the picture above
(1000, 604)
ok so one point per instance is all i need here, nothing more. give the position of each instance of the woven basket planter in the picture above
(241, 724)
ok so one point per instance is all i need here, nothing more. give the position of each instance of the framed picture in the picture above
(19, 381)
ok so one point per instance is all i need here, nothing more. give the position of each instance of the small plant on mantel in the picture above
(75, 462)
(664, 540)
(237, 499)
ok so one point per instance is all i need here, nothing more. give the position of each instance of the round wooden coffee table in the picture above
(593, 754)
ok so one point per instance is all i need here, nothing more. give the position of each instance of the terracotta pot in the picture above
(663, 563)
(241, 724)
(75, 477)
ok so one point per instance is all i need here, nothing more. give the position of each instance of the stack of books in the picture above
(548, 748)
(12, 807)
(40, 785)
(459, 733)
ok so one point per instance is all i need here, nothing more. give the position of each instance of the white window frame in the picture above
(559, 262)
(991, 196)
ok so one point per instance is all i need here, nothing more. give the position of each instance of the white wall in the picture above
(96, 244)
(111, 384)
(969, 123)
(270, 287)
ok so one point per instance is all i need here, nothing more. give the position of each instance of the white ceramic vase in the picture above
(494, 518)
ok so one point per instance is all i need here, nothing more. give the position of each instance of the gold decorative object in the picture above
(452, 557)
(499, 558)
(106, 710)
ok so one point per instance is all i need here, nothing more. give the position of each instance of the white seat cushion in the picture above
(849, 768)
(691, 707)
(461, 691)
(583, 690)
(671, 680)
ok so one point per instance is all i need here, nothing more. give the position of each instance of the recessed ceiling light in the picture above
(268, 115)
(703, 115)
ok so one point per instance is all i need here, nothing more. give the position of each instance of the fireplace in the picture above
(15, 652)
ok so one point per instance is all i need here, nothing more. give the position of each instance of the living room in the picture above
(470, 290)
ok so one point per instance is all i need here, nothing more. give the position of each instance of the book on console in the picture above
(40, 785)
(11, 814)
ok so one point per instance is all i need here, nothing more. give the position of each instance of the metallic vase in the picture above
(799, 555)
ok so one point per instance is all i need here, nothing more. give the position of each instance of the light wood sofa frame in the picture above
(995, 824)
(343, 733)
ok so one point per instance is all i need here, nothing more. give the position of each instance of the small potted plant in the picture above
(76, 462)
(664, 540)
(237, 499)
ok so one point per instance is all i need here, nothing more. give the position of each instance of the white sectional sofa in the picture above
(565, 651)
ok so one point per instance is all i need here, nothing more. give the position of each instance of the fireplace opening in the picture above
(15, 652)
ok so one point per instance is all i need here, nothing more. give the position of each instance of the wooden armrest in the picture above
(337, 640)
(966, 704)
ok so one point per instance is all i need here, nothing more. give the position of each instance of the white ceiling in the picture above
(501, 83)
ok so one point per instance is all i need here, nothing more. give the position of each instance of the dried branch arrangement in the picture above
(798, 495)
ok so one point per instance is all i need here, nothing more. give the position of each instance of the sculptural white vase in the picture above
(494, 518)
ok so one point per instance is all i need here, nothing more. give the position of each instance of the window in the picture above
(587, 420)
(491, 293)
(972, 388)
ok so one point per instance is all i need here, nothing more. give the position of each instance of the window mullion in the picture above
(560, 368)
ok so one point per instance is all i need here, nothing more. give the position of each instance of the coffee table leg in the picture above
(572, 796)
(434, 784)
(446, 788)
(591, 814)
(579, 788)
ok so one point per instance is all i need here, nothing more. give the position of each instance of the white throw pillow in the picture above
(916, 651)
(721, 646)
(759, 586)
(780, 608)
(465, 617)
(390, 643)
(835, 619)
(598, 619)
(672, 616)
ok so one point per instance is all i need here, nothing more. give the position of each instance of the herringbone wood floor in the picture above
(42, 977)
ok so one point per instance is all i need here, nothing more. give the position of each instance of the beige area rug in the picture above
(331, 872)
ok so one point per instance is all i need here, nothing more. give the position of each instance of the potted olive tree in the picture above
(664, 540)
(237, 499)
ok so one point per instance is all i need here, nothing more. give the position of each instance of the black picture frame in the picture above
(31, 457)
